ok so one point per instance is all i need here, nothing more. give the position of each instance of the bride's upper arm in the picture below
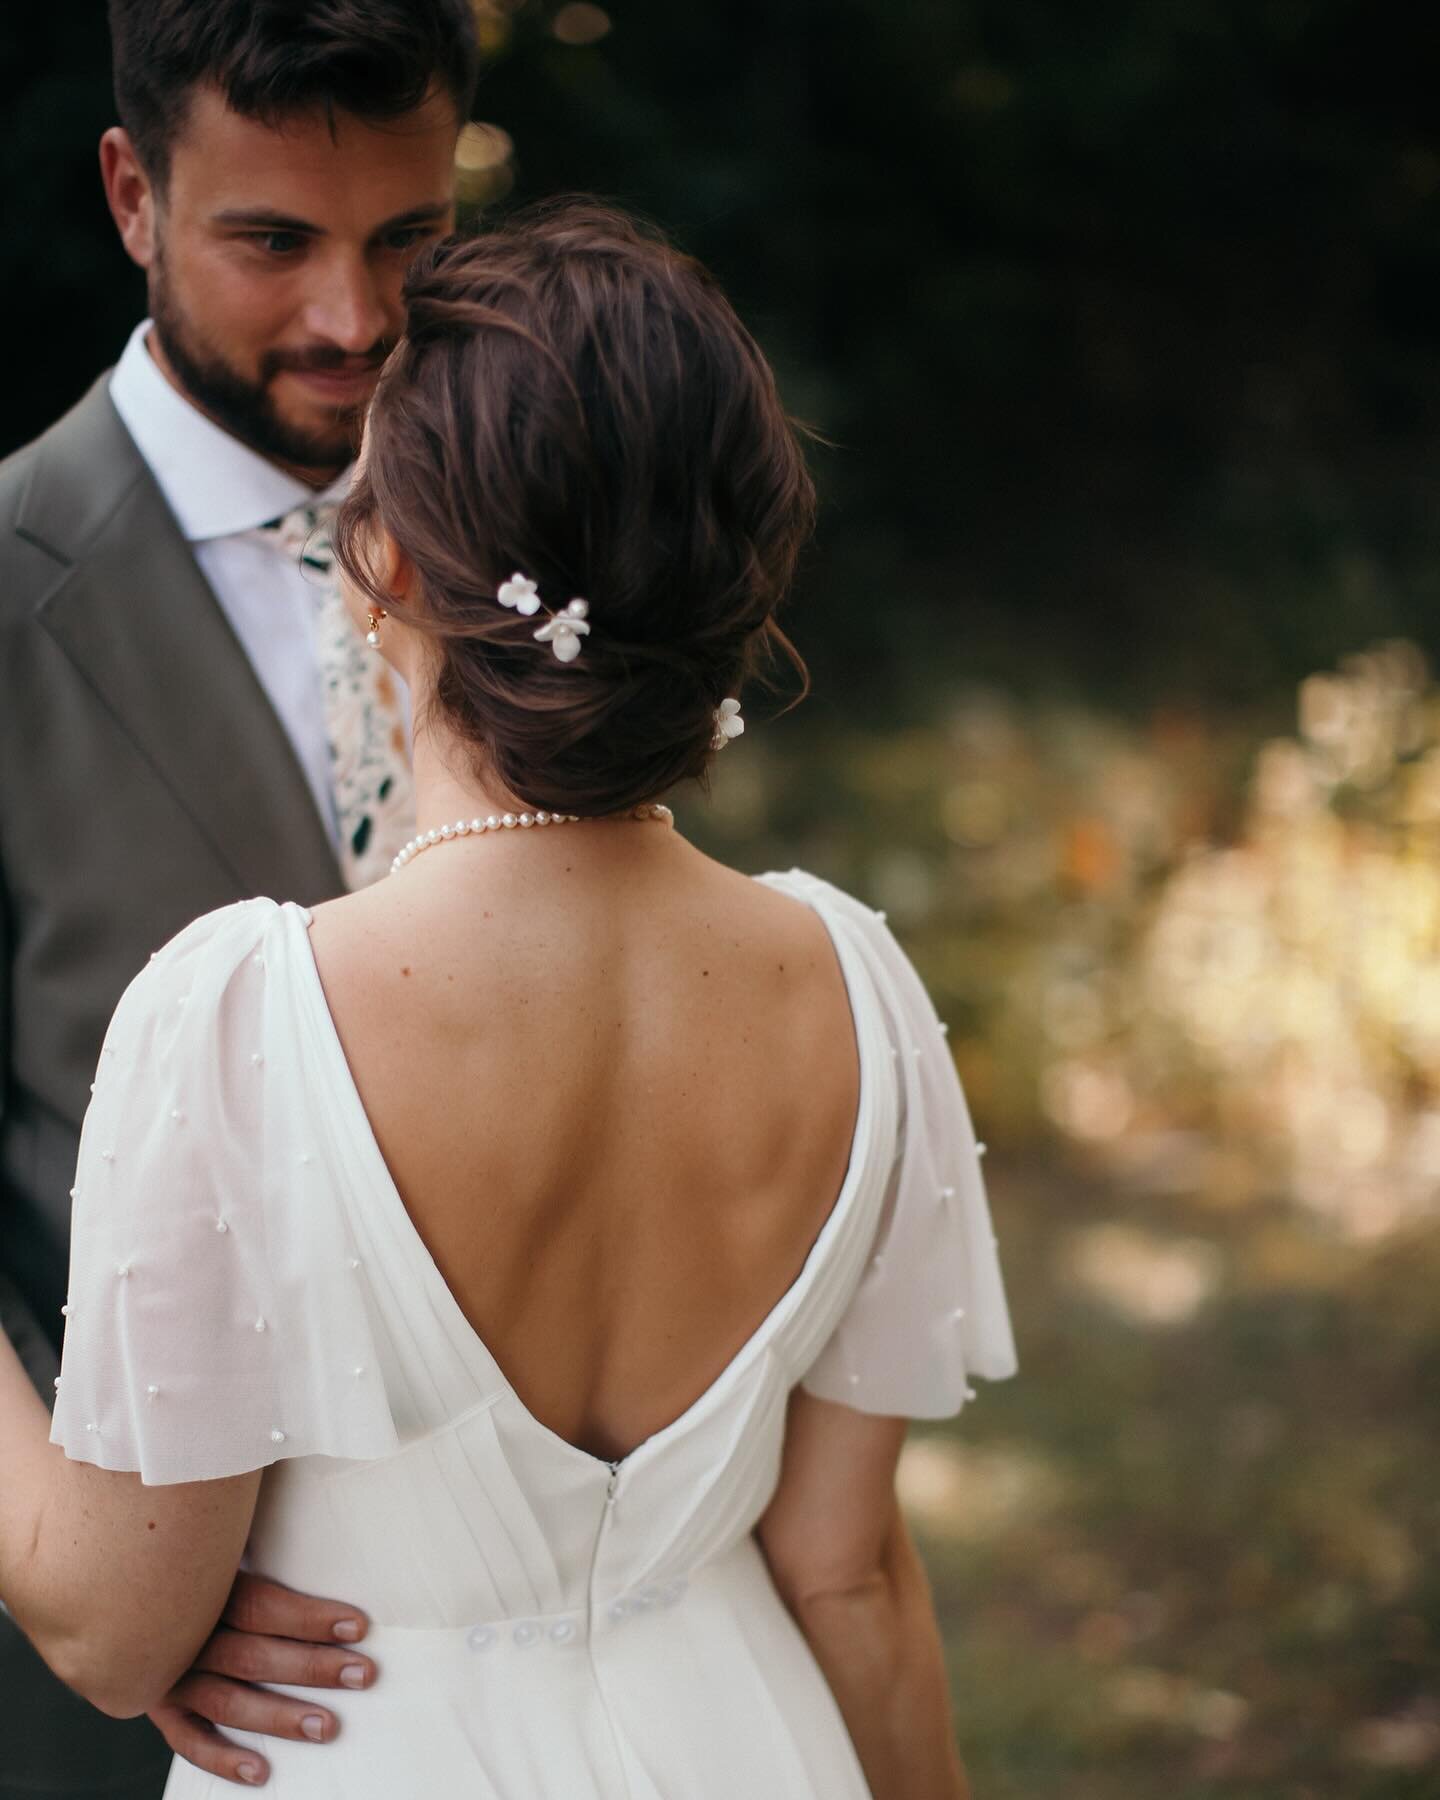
(135, 1578)
(828, 1523)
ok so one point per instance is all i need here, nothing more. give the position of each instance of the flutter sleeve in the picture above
(214, 1324)
(930, 1311)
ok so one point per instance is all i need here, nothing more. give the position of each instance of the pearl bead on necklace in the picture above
(524, 821)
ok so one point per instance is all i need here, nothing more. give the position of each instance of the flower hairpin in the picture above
(563, 630)
(728, 724)
(520, 592)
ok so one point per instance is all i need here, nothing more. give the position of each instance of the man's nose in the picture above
(346, 308)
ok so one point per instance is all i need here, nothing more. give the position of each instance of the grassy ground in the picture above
(1189, 1549)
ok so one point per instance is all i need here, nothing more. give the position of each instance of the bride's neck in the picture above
(451, 783)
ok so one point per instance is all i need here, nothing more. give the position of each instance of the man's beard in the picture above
(245, 408)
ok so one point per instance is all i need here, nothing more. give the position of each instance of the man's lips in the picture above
(336, 384)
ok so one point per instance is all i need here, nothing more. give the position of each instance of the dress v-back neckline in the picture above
(443, 1297)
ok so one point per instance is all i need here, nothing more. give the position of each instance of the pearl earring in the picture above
(372, 636)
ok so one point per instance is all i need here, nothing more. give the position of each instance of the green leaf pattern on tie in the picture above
(364, 721)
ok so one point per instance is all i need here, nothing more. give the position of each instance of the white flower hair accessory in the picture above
(520, 592)
(728, 724)
(562, 631)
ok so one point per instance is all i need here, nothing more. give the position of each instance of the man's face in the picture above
(277, 261)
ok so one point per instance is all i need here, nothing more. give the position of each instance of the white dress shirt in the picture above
(219, 491)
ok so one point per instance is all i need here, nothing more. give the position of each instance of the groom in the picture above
(186, 718)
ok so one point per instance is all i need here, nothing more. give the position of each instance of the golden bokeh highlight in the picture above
(484, 164)
(580, 23)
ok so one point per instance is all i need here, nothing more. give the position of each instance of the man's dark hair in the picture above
(271, 59)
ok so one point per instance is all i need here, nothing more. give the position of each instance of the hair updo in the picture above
(576, 400)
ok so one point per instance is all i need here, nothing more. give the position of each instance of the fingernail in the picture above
(313, 1726)
(348, 1630)
(353, 1675)
(251, 1772)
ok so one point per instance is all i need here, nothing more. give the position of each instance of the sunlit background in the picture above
(1120, 324)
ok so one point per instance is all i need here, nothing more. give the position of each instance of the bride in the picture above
(545, 1246)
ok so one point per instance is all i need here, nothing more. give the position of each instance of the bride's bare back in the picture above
(615, 1083)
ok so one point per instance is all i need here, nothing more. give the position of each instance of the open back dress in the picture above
(247, 1291)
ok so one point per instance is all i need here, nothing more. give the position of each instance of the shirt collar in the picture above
(216, 486)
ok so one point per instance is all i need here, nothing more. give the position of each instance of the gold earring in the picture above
(372, 636)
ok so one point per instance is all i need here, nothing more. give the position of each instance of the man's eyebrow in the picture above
(263, 219)
(430, 214)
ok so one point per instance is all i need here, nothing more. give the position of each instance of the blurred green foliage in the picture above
(1119, 312)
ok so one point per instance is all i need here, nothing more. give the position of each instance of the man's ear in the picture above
(130, 194)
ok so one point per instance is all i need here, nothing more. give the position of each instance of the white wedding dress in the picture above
(247, 1291)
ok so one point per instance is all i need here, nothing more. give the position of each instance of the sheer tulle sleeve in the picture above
(930, 1311)
(214, 1321)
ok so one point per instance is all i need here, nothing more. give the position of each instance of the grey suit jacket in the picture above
(144, 780)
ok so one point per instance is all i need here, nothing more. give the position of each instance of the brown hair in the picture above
(574, 399)
(272, 59)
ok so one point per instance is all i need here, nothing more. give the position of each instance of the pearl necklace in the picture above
(509, 822)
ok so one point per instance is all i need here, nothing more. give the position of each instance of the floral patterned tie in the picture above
(364, 719)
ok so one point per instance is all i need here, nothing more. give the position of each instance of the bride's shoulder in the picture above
(199, 964)
(823, 896)
(216, 935)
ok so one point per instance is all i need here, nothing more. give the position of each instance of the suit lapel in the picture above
(132, 611)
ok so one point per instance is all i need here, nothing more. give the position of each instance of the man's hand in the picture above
(266, 1633)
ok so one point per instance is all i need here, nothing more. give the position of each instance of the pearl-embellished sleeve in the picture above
(213, 1321)
(929, 1312)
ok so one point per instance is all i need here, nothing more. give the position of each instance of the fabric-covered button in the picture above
(673, 1590)
(526, 1633)
(480, 1637)
(618, 1610)
(562, 1630)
